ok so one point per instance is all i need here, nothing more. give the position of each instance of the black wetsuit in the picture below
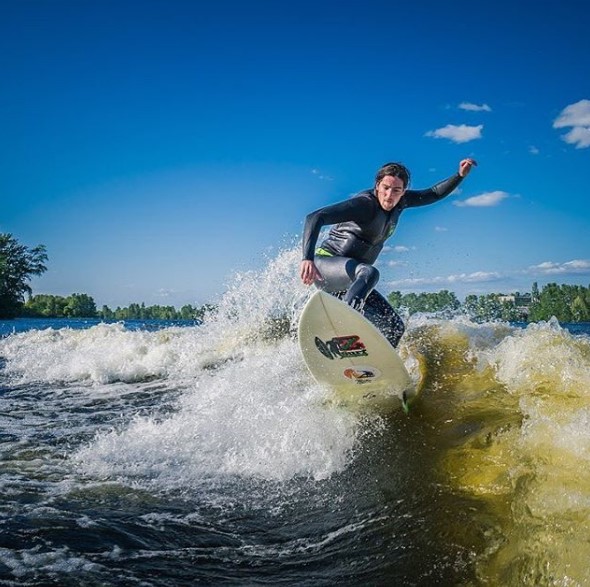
(345, 258)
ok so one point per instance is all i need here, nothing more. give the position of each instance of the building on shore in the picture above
(522, 302)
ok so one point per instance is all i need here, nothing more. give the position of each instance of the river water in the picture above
(164, 454)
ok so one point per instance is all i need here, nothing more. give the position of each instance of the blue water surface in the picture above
(8, 327)
(17, 325)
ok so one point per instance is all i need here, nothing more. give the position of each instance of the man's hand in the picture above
(465, 166)
(309, 272)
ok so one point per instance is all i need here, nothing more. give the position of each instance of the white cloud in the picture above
(397, 264)
(576, 116)
(476, 277)
(483, 200)
(458, 134)
(579, 136)
(577, 266)
(547, 269)
(474, 107)
(440, 229)
(534, 150)
(401, 249)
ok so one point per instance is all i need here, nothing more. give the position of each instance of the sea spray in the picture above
(254, 297)
(253, 411)
(259, 417)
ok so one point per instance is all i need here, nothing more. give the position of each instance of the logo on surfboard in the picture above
(363, 374)
(342, 347)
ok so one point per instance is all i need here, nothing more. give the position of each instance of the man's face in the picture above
(389, 192)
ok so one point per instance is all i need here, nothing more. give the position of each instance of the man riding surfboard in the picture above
(343, 263)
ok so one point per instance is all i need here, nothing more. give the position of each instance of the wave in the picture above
(512, 406)
(507, 410)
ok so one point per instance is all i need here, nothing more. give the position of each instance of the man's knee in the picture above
(368, 273)
(368, 270)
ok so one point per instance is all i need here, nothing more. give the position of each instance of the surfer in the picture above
(343, 263)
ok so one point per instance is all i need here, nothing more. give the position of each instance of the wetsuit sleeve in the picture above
(413, 198)
(358, 209)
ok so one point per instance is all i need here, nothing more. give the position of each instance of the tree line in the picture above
(18, 263)
(83, 306)
(481, 308)
(567, 303)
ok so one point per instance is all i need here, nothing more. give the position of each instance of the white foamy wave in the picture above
(103, 353)
(247, 314)
(551, 432)
(261, 417)
(542, 357)
(254, 297)
(479, 336)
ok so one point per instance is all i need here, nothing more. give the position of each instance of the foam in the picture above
(260, 417)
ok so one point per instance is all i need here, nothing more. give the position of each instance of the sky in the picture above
(157, 147)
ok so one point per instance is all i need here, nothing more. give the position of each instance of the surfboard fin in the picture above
(405, 404)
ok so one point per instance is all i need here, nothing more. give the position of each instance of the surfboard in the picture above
(346, 352)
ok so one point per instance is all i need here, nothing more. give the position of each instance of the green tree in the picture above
(580, 309)
(551, 302)
(446, 300)
(568, 303)
(106, 313)
(17, 264)
(424, 302)
(395, 299)
(43, 305)
(509, 312)
(486, 308)
(80, 306)
(187, 312)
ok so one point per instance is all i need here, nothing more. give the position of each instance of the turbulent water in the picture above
(207, 455)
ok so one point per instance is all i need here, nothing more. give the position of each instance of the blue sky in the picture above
(156, 147)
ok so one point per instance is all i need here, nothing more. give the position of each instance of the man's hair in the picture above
(395, 170)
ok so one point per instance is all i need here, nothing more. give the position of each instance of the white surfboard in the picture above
(343, 350)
